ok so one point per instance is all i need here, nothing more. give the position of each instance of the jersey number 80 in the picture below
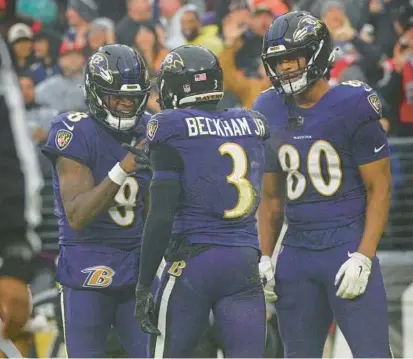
(296, 181)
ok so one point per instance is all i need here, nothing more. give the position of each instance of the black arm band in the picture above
(164, 200)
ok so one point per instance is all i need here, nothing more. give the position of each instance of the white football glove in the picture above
(267, 277)
(356, 271)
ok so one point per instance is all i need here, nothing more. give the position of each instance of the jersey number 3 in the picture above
(296, 181)
(246, 193)
(123, 213)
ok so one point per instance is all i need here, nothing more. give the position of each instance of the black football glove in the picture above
(144, 309)
(142, 159)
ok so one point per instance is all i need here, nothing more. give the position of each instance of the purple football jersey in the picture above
(321, 159)
(77, 136)
(223, 157)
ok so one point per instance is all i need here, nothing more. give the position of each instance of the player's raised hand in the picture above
(144, 309)
(354, 275)
(136, 160)
(268, 280)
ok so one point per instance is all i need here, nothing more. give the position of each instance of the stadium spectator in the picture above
(45, 53)
(246, 89)
(139, 12)
(44, 11)
(396, 85)
(20, 40)
(148, 45)
(171, 12)
(403, 62)
(249, 56)
(196, 34)
(101, 32)
(358, 58)
(79, 15)
(357, 10)
(39, 118)
(63, 92)
(277, 7)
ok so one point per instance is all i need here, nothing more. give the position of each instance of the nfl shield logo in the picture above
(187, 88)
(63, 138)
(151, 129)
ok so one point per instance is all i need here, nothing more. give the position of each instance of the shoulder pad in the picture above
(72, 119)
(72, 135)
(357, 85)
(268, 89)
(68, 125)
(164, 125)
(366, 100)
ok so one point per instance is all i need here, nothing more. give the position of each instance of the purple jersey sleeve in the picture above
(369, 139)
(68, 139)
(264, 105)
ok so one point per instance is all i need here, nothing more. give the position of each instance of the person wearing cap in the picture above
(19, 38)
(45, 53)
(63, 92)
(79, 15)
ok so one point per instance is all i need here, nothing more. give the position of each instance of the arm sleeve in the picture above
(164, 194)
(271, 160)
(166, 161)
(20, 180)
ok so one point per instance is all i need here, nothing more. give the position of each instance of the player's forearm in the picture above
(164, 199)
(270, 218)
(83, 208)
(377, 213)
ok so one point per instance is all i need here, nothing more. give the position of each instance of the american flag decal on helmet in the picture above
(200, 77)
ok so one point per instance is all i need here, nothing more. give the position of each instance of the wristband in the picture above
(117, 174)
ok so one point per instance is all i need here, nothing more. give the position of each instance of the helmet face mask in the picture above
(117, 87)
(302, 41)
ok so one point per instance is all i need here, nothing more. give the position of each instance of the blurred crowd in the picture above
(50, 41)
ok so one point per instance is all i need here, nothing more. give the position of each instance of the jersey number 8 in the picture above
(296, 181)
(123, 213)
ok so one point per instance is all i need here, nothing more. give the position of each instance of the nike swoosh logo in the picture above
(361, 270)
(70, 128)
(378, 149)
